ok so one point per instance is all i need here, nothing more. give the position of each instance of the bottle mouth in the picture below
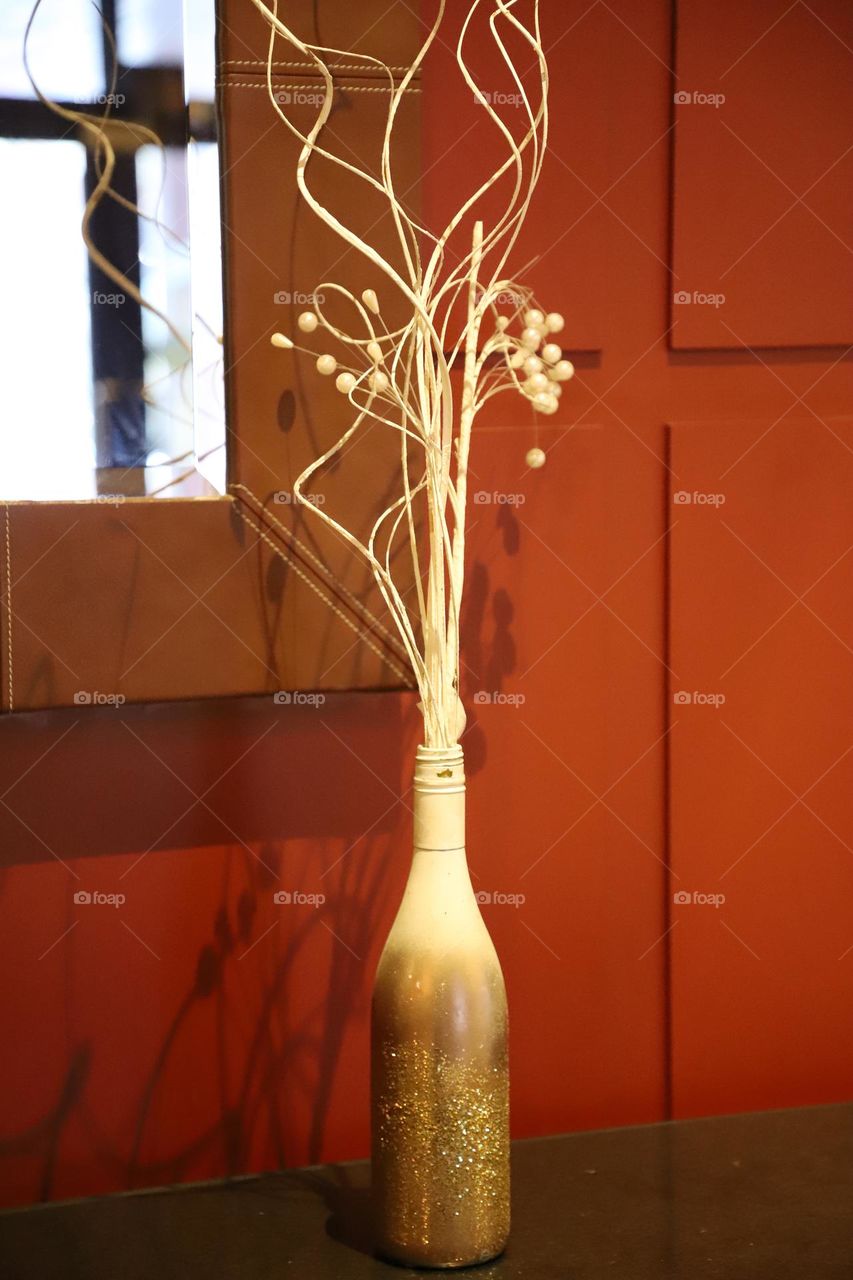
(439, 769)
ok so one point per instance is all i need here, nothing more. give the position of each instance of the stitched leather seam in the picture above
(304, 88)
(312, 66)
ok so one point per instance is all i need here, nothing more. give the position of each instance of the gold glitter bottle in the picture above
(440, 1081)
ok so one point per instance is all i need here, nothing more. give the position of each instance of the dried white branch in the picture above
(401, 378)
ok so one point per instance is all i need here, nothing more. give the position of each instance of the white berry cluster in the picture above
(536, 363)
(308, 322)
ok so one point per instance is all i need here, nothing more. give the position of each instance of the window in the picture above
(106, 395)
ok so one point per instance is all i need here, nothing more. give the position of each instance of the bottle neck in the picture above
(439, 799)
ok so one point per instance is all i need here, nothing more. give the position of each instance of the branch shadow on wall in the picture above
(277, 989)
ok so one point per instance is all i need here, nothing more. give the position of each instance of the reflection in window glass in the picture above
(199, 50)
(65, 50)
(47, 439)
(165, 281)
(149, 33)
(100, 395)
(208, 388)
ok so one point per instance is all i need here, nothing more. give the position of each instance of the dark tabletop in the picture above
(766, 1196)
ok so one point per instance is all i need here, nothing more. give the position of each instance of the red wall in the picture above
(200, 1027)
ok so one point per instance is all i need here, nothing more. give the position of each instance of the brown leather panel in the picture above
(153, 600)
(390, 32)
(284, 414)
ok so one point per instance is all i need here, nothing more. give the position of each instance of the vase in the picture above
(439, 1068)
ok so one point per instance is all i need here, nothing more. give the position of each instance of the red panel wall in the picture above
(762, 226)
(200, 1027)
(761, 708)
